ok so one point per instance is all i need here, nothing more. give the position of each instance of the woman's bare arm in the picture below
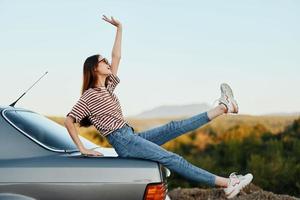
(69, 124)
(116, 51)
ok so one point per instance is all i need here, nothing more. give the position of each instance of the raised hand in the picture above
(112, 21)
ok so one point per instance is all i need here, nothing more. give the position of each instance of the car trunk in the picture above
(74, 176)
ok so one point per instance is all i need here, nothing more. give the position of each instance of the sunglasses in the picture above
(105, 60)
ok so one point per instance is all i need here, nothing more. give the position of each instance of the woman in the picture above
(99, 106)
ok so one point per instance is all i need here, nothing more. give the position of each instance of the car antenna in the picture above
(13, 104)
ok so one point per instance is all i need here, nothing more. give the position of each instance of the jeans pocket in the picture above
(122, 142)
(124, 138)
(110, 139)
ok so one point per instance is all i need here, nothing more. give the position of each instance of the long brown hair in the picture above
(89, 80)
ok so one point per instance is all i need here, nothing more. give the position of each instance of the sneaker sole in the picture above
(238, 189)
(226, 89)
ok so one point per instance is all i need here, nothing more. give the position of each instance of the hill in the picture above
(249, 193)
(214, 131)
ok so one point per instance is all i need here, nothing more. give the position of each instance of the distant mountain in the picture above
(171, 111)
(177, 111)
(284, 114)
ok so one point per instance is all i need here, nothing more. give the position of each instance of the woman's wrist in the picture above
(81, 149)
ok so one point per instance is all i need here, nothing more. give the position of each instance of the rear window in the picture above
(44, 131)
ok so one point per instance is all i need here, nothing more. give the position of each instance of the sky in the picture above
(174, 52)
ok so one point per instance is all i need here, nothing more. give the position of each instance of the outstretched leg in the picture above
(130, 145)
(162, 134)
(173, 129)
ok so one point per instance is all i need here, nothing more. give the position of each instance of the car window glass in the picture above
(44, 130)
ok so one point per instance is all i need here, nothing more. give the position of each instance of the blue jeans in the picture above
(146, 145)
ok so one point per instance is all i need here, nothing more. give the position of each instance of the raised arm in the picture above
(116, 51)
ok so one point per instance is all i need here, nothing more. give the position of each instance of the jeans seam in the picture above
(174, 121)
(123, 147)
(213, 181)
(207, 118)
(195, 120)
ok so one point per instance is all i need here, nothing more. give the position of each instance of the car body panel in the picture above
(30, 170)
(86, 169)
(77, 191)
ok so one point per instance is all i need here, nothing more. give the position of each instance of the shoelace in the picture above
(233, 176)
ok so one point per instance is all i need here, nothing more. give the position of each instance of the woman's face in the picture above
(103, 67)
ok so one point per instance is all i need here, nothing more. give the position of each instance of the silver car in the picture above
(38, 160)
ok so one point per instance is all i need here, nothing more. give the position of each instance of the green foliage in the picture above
(274, 160)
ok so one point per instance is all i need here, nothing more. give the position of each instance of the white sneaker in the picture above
(236, 183)
(227, 99)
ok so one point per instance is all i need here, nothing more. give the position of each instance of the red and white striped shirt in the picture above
(101, 106)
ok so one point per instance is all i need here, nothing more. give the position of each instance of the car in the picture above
(39, 160)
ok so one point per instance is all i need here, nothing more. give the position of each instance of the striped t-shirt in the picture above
(101, 106)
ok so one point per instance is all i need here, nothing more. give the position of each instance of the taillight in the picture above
(156, 191)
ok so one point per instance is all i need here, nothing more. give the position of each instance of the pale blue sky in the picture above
(173, 52)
